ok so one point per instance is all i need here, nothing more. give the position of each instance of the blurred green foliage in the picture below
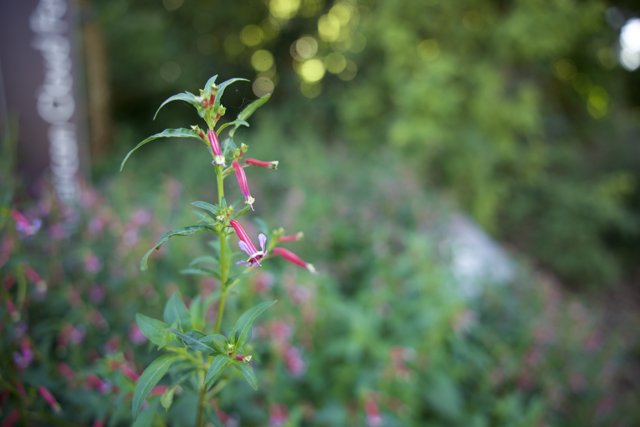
(382, 333)
(516, 112)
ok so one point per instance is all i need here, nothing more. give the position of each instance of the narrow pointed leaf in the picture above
(193, 271)
(210, 83)
(186, 231)
(167, 133)
(166, 400)
(215, 369)
(236, 124)
(175, 312)
(192, 340)
(213, 209)
(145, 419)
(149, 378)
(196, 313)
(204, 259)
(244, 324)
(155, 330)
(249, 375)
(249, 110)
(222, 87)
(216, 341)
(187, 97)
(204, 218)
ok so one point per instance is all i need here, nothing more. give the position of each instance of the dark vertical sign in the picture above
(39, 72)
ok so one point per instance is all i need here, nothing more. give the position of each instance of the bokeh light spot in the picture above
(629, 54)
(564, 70)
(335, 62)
(597, 102)
(349, 72)
(251, 35)
(342, 12)
(262, 86)
(329, 28)
(312, 70)
(304, 48)
(262, 60)
(284, 9)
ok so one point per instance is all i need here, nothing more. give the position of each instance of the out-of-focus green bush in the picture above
(519, 114)
(382, 336)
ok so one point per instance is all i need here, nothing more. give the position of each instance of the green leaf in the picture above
(193, 271)
(175, 312)
(192, 339)
(228, 145)
(249, 110)
(213, 209)
(209, 84)
(196, 313)
(166, 400)
(155, 330)
(149, 378)
(185, 231)
(222, 87)
(215, 369)
(204, 259)
(244, 324)
(167, 133)
(187, 97)
(236, 124)
(247, 372)
(205, 219)
(217, 341)
(145, 419)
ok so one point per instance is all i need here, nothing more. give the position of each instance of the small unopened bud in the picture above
(291, 237)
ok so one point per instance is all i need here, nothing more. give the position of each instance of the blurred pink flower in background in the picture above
(136, 336)
(278, 416)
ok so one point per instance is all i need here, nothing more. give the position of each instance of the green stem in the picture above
(220, 181)
(224, 259)
(201, 400)
(223, 300)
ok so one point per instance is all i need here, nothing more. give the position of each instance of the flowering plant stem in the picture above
(208, 355)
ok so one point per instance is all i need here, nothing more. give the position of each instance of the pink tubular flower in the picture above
(242, 183)
(247, 246)
(261, 163)
(48, 397)
(293, 259)
(218, 157)
(23, 225)
(374, 419)
(278, 416)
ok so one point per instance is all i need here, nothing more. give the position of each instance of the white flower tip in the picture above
(311, 268)
(274, 164)
(250, 200)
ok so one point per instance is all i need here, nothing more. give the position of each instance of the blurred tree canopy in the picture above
(516, 107)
